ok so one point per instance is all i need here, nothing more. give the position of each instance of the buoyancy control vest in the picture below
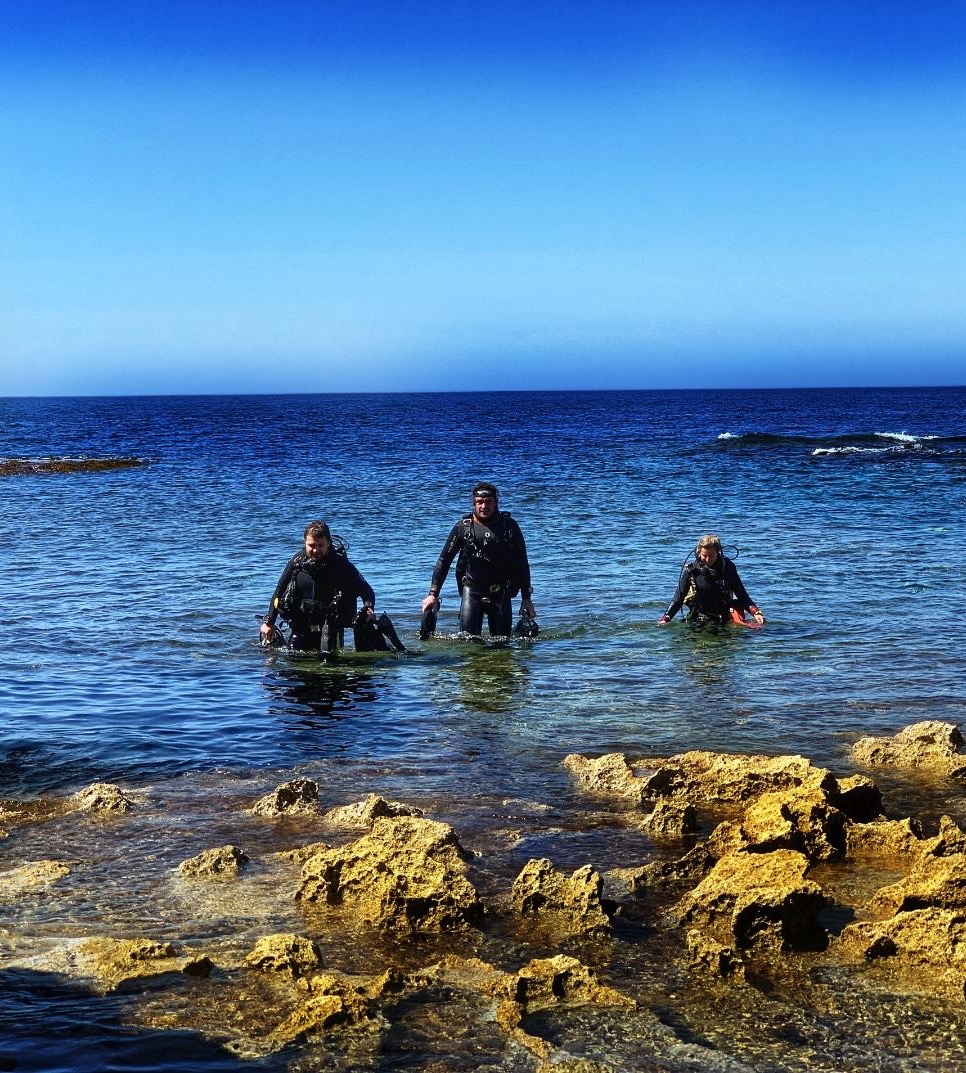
(708, 592)
(489, 554)
(313, 592)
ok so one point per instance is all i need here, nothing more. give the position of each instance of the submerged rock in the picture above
(225, 862)
(320, 1013)
(31, 878)
(113, 961)
(922, 947)
(544, 983)
(407, 873)
(103, 797)
(294, 955)
(607, 776)
(714, 958)
(330, 1002)
(11, 815)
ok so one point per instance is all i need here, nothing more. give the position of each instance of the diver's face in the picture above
(708, 555)
(484, 507)
(316, 548)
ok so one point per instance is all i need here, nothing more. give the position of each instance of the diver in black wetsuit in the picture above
(491, 569)
(711, 588)
(317, 592)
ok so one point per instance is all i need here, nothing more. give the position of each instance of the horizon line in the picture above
(490, 391)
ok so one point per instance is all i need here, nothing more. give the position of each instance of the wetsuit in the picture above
(492, 568)
(304, 595)
(710, 592)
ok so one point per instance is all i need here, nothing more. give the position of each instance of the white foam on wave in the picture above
(903, 437)
(849, 451)
(728, 436)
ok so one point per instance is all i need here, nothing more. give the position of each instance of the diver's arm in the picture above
(521, 568)
(678, 602)
(521, 563)
(267, 628)
(734, 583)
(359, 586)
(453, 544)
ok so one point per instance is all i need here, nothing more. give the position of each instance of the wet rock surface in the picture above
(225, 862)
(753, 898)
(300, 797)
(32, 877)
(932, 747)
(292, 954)
(104, 798)
(407, 873)
(570, 903)
(361, 815)
(759, 892)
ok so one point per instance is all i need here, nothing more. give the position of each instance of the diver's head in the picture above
(318, 540)
(708, 550)
(486, 500)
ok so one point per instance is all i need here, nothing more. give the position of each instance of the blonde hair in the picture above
(709, 540)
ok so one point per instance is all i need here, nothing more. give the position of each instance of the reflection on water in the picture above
(709, 655)
(311, 693)
(490, 679)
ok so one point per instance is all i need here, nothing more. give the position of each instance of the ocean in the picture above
(130, 656)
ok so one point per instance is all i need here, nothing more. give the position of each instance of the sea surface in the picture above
(133, 597)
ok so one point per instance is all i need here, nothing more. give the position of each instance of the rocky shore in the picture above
(20, 467)
(767, 874)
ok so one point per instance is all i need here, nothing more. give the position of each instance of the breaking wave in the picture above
(872, 444)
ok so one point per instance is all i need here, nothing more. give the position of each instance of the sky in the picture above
(286, 196)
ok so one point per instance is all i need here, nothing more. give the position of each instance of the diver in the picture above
(317, 593)
(491, 569)
(711, 589)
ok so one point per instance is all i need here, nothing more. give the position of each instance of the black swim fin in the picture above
(386, 628)
(526, 626)
(427, 624)
(366, 634)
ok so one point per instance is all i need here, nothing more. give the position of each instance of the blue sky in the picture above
(293, 196)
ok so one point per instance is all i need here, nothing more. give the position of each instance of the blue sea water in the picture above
(130, 652)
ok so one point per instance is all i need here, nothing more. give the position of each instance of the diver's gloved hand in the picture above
(270, 636)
